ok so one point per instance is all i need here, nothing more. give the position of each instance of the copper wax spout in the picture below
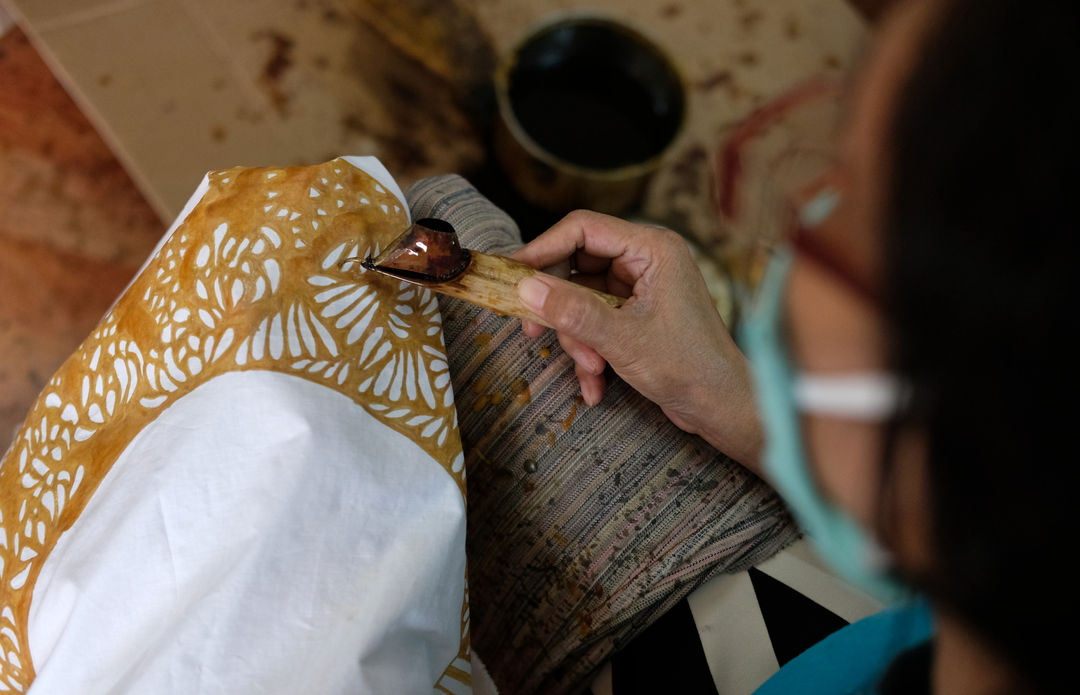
(428, 251)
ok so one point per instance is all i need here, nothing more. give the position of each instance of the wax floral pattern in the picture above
(252, 279)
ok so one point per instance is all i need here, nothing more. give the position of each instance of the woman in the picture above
(908, 368)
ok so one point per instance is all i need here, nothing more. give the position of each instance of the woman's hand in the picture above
(667, 341)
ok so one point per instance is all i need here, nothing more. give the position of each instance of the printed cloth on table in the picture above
(249, 477)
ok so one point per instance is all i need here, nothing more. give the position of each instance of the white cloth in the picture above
(263, 534)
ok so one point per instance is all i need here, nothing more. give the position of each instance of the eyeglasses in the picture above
(868, 396)
(823, 210)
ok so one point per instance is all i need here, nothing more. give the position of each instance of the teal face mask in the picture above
(782, 394)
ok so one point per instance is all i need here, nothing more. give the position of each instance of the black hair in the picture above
(981, 264)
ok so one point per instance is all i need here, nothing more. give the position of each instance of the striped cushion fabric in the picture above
(585, 525)
(732, 633)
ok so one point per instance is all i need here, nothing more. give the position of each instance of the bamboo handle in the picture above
(491, 282)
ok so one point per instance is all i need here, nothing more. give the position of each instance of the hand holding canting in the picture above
(667, 341)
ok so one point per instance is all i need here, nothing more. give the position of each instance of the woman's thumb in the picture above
(568, 308)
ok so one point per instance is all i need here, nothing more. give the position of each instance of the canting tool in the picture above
(429, 254)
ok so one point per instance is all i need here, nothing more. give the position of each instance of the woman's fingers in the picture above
(615, 285)
(602, 283)
(531, 329)
(598, 235)
(592, 385)
(587, 359)
(561, 269)
(588, 364)
(571, 310)
(587, 263)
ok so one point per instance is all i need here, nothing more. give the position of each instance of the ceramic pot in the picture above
(588, 108)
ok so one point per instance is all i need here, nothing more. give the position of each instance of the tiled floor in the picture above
(73, 228)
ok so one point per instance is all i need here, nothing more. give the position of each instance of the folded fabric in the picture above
(585, 524)
(249, 478)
